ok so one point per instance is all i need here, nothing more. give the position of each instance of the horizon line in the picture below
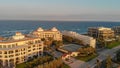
(66, 20)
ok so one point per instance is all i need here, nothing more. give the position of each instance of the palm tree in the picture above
(1, 66)
(98, 63)
(118, 56)
(109, 62)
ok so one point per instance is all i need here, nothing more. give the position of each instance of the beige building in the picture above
(53, 33)
(19, 48)
(116, 30)
(101, 33)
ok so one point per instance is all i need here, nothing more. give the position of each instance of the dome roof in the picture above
(18, 33)
(54, 29)
(18, 36)
(40, 29)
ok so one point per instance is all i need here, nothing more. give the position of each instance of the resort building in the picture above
(116, 30)
(53, 33)
(85, 39)
(101, 33)
(19, 48)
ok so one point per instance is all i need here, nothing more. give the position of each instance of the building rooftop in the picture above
(12, 39)
(41, 29)
(71, 47)
(100, 28)
(17, 47)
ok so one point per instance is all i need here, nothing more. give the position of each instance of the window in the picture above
(33, 45)
(9, 46)
(0, 52)
(0, 56)
(16, 54)
(5, 52)
(29, 50)
(6, 56)
(16, 44)
(16, 50)
(10, 52)
(11, 55)
(33, 49)
(4, 46)
(29, 47)
(0, 46)
(36, 42)
(13, 45)
(24, 49)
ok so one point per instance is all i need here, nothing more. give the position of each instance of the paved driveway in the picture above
(73, 63)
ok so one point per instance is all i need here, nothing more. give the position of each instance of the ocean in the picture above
(8, 28)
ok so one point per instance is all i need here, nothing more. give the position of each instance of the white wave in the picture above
(17, 31)
(76, 29)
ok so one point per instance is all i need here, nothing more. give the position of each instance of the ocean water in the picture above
(8, 28)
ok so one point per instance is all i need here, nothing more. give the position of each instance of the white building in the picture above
(85, 39)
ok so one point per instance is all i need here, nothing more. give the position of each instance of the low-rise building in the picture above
(19, 48)
(53, 33)
(101, 33)
(69, 50)
(87, 40)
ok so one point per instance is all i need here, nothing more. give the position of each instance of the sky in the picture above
(61, 10)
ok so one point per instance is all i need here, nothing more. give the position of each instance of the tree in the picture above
(77, 41)
(1, 66)
(48, 43)
(46, 65)
(85, 51)
(98, 63)
(67, 38)
(118, 56)
(109, 62)
(57, 44)
(50, 38)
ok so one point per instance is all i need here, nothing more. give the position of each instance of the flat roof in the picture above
(16, 47)
(71, 47)
(11, 40)
(58, 54)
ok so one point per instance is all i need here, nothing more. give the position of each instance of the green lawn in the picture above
(114, 44)
(22, 65)
(65, 66)
(86, 58)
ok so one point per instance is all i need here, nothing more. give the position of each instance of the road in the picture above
(92, 63)
(102, 56)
